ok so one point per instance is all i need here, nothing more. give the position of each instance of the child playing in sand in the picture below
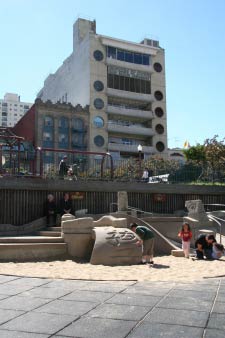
(185, 234)
(217, 251)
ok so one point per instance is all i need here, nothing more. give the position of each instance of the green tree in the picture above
(215, 157)
(196, 153)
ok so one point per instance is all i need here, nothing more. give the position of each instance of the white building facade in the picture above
(12, 109)
(124, 85)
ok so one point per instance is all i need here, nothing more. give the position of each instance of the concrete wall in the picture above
(28, 196)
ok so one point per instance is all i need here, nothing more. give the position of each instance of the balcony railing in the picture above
(132, 148)
(120, 110)
(129, 65)
(130, 95)
(130, 129)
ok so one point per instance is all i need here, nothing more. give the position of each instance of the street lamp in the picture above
(139, 156)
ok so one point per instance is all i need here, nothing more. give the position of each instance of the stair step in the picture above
(48, 233)
(31, 251)
(31, 239)
(54, 229)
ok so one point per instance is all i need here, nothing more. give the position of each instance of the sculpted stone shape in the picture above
(198, 218)
(122, 201)
(196, 210)
(77, 233)
(115, 246)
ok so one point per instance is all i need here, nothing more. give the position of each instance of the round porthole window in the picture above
(99, 86)
(159, 112)
(160, 146)
(157, 67)
(98, 122)
(159, 129)
(98, 55)
(98, 103)
(99, 141)
(158, 95)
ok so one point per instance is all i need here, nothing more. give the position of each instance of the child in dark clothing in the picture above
(204, 245)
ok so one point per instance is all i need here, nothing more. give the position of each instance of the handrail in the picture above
(130, 208)
(216, 219)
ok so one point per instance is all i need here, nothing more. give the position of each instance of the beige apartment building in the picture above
(124, 85)
(12, 109)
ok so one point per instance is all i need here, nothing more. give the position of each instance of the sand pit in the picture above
(166, 268)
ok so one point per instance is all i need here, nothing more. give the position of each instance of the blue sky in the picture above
(36, 36)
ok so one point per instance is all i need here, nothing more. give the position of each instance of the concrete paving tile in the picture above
(154, 330)
(217, 321)
(24, 303)
(159, 285)
(147, 291)
(29, 281)
(5, 279)
(98, 327)
(6, 315)
(220, 297)
(184, 303)
(41, 292)
(102, 287)
(203, 295)
(178, 317)
(65, 284)
(17, 334)
(4, 296)
(88, 296)
(197, 287)
(219, 307)
(39, 323)
(208, 281)
(222, 288)
(133, 299)
(212, 333)
(115, 311)
(67, 307)
(11, 290)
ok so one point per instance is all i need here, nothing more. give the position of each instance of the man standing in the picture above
(147, 240)
(63, 168)
(204, 245)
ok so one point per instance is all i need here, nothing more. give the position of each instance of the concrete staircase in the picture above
(41, 245)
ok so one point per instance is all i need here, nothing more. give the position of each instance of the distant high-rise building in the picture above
(12, 109)
(123, 83)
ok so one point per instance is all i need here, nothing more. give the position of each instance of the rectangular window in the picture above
(137, 85)
(138, 58)
(116, 82)
(148, 87)
(120, 55)
(122, 83)
(110, 80)
(47, 136)
(111, 52)
(132, 85)
(129, 57)
(127, 84)
(146, 60)
(143, 86)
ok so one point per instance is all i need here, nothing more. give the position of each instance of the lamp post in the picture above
(139, 157)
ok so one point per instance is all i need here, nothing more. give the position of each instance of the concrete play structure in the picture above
(105, 239)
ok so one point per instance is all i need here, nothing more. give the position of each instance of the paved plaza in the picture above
(41, 308)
